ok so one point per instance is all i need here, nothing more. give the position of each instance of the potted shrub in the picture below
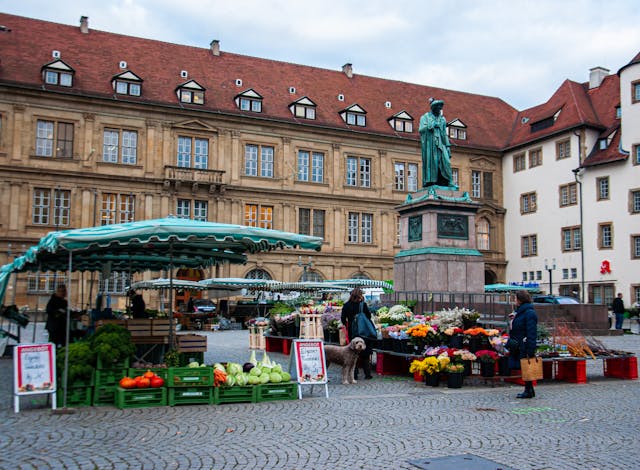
(112, 346)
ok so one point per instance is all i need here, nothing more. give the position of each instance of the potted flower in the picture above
(455, 375)
(455, 336)
(421, 335)
(487, 360)
(330, 321)
(429, 368)
(396, 315)
(477, 338)
(464, 357)
(470, 318)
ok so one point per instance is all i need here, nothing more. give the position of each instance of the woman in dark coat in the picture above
(57, 316)
(348, 318)
(522, 337)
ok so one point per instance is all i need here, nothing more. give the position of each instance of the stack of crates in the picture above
(141, 397)
(79, 393)
(190, 386)
(621, 367)
(235, 394)
(107, 377)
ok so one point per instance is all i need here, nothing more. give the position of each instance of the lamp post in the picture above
(550, 268)
(577, 174)
(305, 267)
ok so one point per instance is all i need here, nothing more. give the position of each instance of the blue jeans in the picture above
(619, 320)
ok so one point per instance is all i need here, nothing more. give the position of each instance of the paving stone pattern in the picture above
(375, 424)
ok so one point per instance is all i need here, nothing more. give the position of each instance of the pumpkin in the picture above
(144, 383)
(127, 382)
(148, 374)
(156, 382)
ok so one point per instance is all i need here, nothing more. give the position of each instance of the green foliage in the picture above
(81, 361)
(281, 308)
(409, 303)
(172, 358)
(112, 343)
(543, 332)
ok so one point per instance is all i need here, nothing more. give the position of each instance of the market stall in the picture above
(149, 245)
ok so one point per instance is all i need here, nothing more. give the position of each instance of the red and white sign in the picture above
(310, 362)
(34, 368)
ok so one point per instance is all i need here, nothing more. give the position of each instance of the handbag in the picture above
(364, 326)
(531, 369)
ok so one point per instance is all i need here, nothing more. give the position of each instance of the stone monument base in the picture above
(438, 243)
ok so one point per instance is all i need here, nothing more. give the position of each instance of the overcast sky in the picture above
(520, 51)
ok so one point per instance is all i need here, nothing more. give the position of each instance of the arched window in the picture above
(359, 275)
(258, 274)
(483, 238)
(311, 275)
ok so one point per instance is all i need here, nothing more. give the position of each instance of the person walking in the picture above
(522, 337)
(618, 309)
(350, 309)
(56, 309)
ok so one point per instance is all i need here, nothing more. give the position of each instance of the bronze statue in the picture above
(436, 154)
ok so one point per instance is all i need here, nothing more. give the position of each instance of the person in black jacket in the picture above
(57, 316)
(349, 311)
(138, 307)
(618, 309)
(522, 337)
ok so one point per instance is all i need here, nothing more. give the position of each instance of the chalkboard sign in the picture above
(34, 370)
(310, 363)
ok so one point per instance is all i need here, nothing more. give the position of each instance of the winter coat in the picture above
(348, 317)
(524, 331)
(56, 319)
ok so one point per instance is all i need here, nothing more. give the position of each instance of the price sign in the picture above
(35, 369)
(310, 362)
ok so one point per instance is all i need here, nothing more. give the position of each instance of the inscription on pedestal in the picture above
(453, 226)
(415, 228)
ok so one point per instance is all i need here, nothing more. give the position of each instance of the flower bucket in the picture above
(503, 366)
(487, 369)
(334, 337)
(455, 341)
(432, 380)
(327, 336)
(454, 380)
(467, 367)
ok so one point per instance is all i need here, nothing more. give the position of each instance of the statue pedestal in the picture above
(438, 243)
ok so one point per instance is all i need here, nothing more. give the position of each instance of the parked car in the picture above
(554, 299)
(204, 306)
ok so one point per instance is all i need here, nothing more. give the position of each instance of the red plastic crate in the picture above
(572, 371)
(389, 364)
(621, 368)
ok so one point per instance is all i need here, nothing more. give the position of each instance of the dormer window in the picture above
(127, 83)
(354, 115)
(401, 122)
(249, 101)
(546, 122)
(603, 144)
(618, 112)
(303, 108)
(57, 73)
(190, 92)
(457, 129)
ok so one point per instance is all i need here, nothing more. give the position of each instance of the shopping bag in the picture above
(342, 335)
(531, 369)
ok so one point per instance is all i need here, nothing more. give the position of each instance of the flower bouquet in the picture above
(465, 358)
(396, 315)
(455, 375)
(421, 335)
(429, 368)
(454, 368)
(477, 338)
(469, 318)
(487, 360)
(451, 317)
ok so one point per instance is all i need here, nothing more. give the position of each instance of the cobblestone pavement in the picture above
(376, 424)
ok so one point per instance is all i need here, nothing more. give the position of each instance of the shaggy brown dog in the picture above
(345, 356)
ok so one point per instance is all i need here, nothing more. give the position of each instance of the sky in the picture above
(520, 51)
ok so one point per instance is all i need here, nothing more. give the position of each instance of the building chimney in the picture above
(215, 47)
(84, 24)
(596, 75)
(347, 69)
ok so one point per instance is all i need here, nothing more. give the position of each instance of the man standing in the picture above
(57, 316)
(618, 309)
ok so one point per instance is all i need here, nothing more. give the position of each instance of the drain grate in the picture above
(458, 462)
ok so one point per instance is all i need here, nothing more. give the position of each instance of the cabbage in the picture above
(241, 380)
(231, 381)
(234, 368)
(286, 376)
(252, 357)
(219, 366)
(255, 371)
(194, 364)
(264, 378)
(253, 379)
(203, 365)
(274, 377)
(277, 368)
(265, 361)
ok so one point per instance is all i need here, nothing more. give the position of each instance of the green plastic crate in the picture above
(278, 391)
(140, 397)
(112, 365)
(190, 396)
(244, 394)
(104, 395)
(79, 383)
(186, 357)
(159, 371)
(190, 377)
(76, 396)
(108, 377)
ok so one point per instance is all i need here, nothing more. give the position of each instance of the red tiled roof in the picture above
(95, 57)
(575, 108)
(610, 154)
(635, 60)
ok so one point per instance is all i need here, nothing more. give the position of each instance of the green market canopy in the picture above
(366, 283)
(510, 288)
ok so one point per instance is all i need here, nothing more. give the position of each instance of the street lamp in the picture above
(305, 267)
(577, 174)
(550, 268)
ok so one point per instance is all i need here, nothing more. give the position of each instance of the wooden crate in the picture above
(139, 327)
(160, 327)
(256, 337)
(192, 343)
(311, 326)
